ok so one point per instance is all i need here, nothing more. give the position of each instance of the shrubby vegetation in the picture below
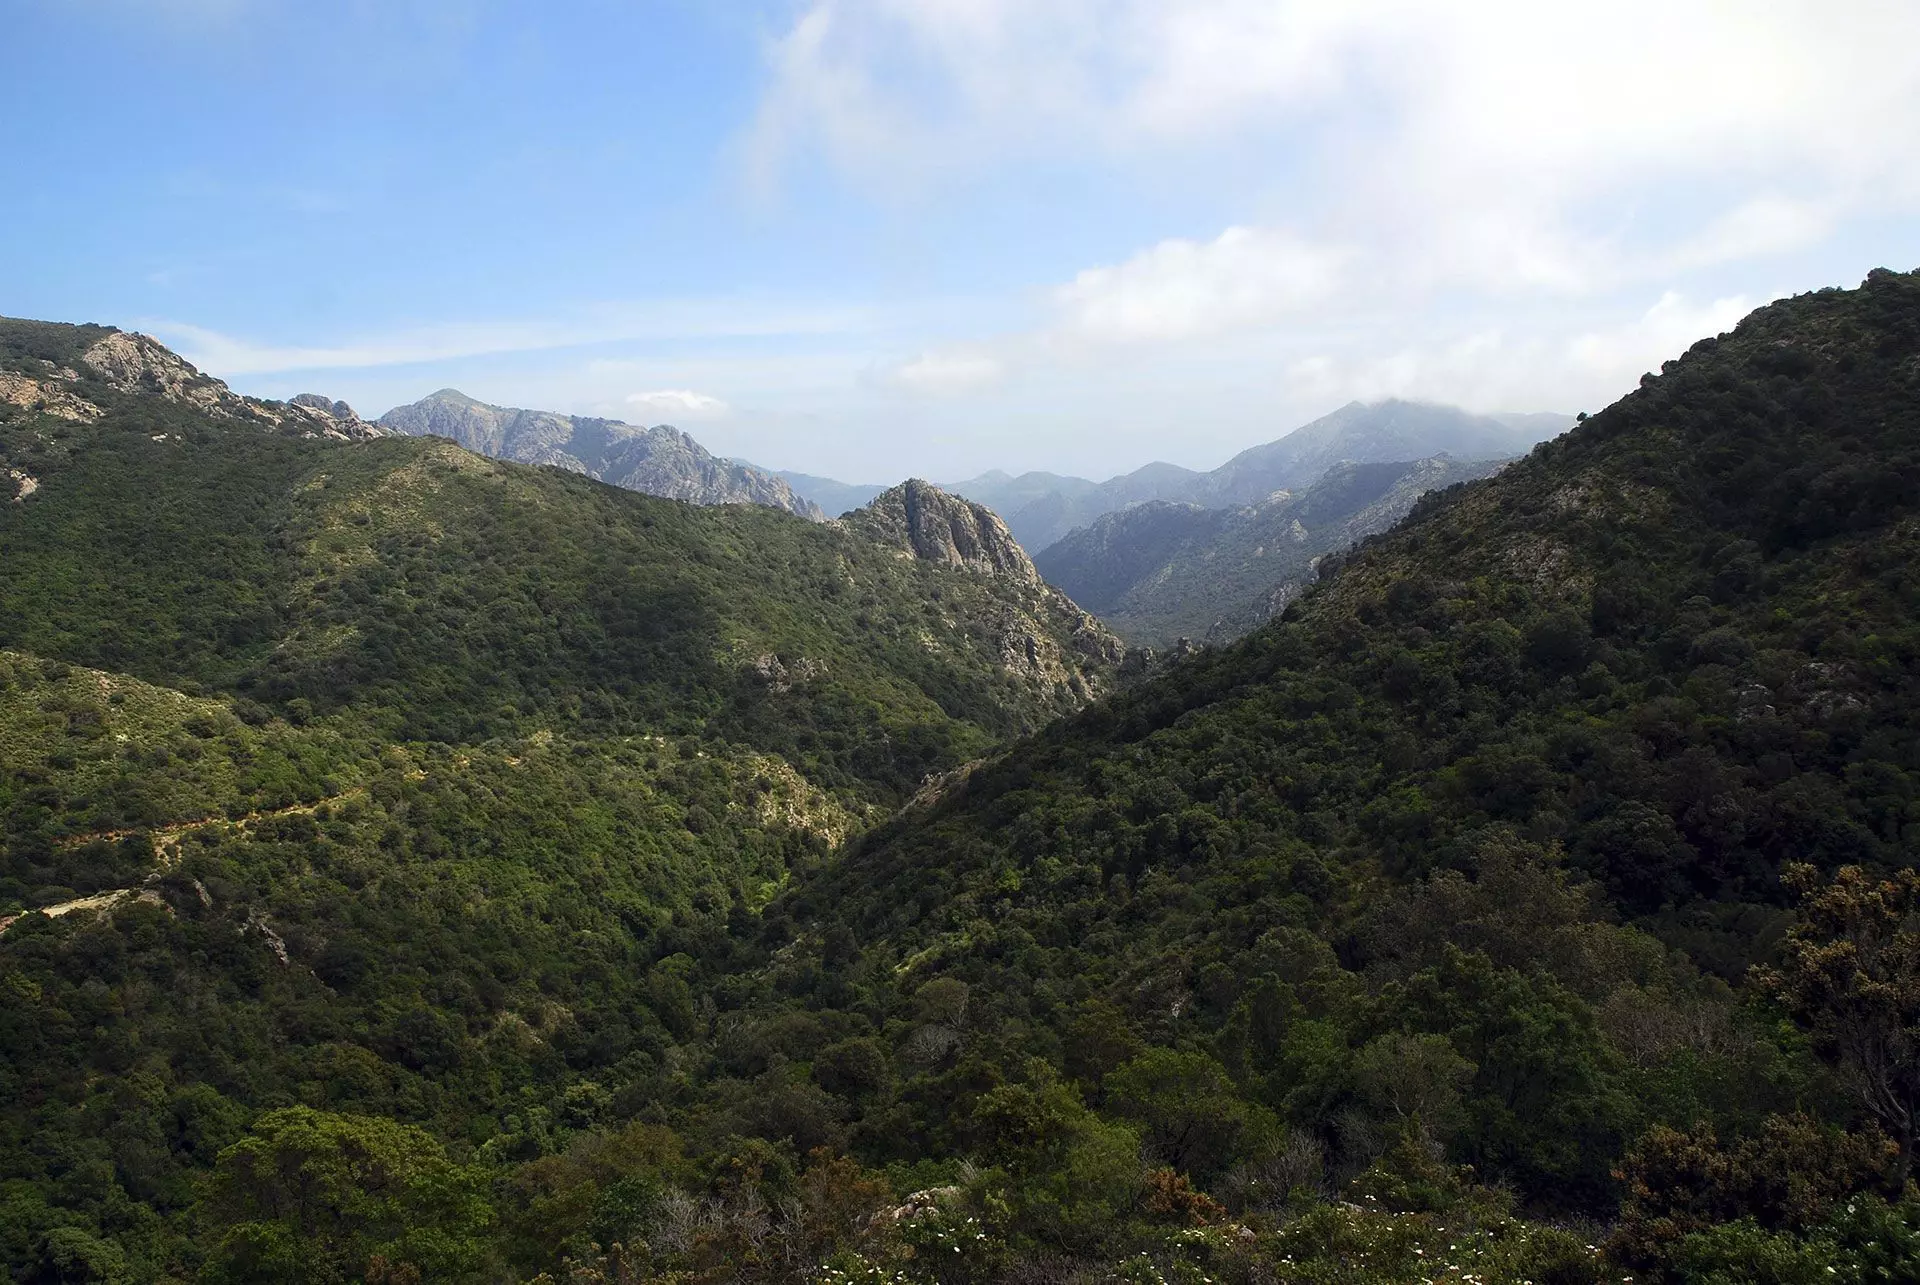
(1533, 902)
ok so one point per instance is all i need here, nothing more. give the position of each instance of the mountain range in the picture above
(1041, 508)
(1159, 571)
(420, 866)
(657, 461)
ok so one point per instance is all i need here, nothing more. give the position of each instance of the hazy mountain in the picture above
(1040, 508)
(656, 461)
(1159, 571)
(1381, 432)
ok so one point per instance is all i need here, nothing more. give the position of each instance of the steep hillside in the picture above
(1157, 572)
(427, 868)
(364, 772)
(1479, 839)
(440, 595)
(655, 461)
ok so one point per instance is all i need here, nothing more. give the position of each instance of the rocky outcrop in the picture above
(1040, 635)
(46, 396)
(327, 418)
(139, 364)
(924, 522)
(659, 461)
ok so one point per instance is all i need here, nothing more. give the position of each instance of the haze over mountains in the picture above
(422, 866)
(1040, 508)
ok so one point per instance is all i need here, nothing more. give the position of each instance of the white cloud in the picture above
(1566, 363)
(1501, 145)
(1632, 83)
(228, 355)
(681, 402)
(949, 373)
(1664, 331)
(1179, 289)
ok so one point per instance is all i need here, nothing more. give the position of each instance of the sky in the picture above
(879, 238)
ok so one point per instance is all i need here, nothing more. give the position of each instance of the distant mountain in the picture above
(832, 497)
(1370, 434)
(1159, 571)
(1040, 508)
(659, 461)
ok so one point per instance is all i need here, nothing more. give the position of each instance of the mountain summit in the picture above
(659, 461)
(937, 527)
(923, 523)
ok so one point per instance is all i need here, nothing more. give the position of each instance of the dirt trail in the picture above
(166, 838)
(166, 845)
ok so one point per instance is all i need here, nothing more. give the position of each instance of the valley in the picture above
(425, 865)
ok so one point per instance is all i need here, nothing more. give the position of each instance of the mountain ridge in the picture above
(661, 461)
(1160, 571)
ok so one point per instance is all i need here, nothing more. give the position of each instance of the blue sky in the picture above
(874, 238)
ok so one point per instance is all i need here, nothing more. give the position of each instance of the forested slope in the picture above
(364, 773)
(1407, 939)
(1485, 832)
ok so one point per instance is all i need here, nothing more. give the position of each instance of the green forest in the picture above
(424, 868)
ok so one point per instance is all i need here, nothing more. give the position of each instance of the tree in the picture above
(1851, 976)
(1190, 1117)
(315, 1197)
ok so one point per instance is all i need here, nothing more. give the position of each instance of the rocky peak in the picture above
(317, 401)
(317, 413)
(139, 364)
(924, 522)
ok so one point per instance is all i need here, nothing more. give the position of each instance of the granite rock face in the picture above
(659, 461)
(131, 364)
(933, 526)
(1042, 636)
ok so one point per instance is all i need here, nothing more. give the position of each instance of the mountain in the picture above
(1379, 433)
(656, 461)
(70, 373)
(198, 540)
(1042, 508)
(923, 522)
(1485, 831)
(423, 867)
(1156, 572)
(832, 497)
(405, 766)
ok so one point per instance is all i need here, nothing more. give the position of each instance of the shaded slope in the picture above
(1628, 677)
(1158, 572)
